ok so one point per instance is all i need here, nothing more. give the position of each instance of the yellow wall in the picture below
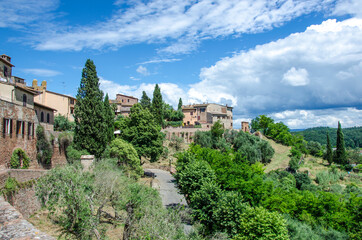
(59, 102)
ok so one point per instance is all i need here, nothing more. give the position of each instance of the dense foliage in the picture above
(157, 105)
(91, 131)
(145, 101)
(43, 147)
(109, 119)
(19, 158)
(205, 175)
(141, 130)
(61, 123)
(127, 157)
(84, 204)
(352, 136)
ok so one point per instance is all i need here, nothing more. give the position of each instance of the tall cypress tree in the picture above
(145, 100)
(179, 107)
(340, 156)
(109, 118)
(157, 105)
(90, 130)
(329, 154)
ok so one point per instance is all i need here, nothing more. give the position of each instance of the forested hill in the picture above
(352, 136)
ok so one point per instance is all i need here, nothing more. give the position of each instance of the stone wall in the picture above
(21, 175)
(14, 226)
(186, 133)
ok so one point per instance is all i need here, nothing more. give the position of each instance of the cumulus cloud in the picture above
(299, 119)
(296, 77)
(182, 23)
(41, 72)
(325, 59)
(170, 92)
(352, 7)
(143, 71)
(17, 13)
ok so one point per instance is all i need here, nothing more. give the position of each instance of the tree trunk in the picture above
(127, 226)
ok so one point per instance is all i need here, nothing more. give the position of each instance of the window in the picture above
(41, 117)
(19, 127)
(30, 129)
(71, 110)
(71, 101)
(48, 118)
(36, 112)
(191, 113)
(202, 109)
(7, 126)
(24, 100)
(127, 100)
(6, 71)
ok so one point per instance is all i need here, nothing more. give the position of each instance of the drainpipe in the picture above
(12, 94)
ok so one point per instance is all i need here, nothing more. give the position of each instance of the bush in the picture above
(73, 154)
(18, 157)
(302, 180)
(176, 142)
(43, 147)
(65, 139)
(61, 123)
(259, 223)
(127, 157)
(294, 164)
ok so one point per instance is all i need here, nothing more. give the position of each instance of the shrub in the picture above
(11, 186)
(18, 157)
(294, 164)
(302, 180)
(73, 154)
(65, 139)
(127, 157)
(43, 147)
(259, 223)
(176, 142)
(61, 123)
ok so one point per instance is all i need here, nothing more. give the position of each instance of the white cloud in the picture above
(170, 91)
(41, 72)
(353, 7)
(143, 71)
(16, 13)
(296, 77)
(326, 60)
(298, 119)
(181, 23)
(165, 60)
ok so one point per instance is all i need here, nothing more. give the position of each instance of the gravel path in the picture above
(168, 191)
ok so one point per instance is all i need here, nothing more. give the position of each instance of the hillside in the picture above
(352, 136)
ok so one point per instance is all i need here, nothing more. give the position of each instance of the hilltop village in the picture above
(25, 107)
(91, 167)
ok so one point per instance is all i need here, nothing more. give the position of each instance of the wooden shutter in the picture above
(11, 128)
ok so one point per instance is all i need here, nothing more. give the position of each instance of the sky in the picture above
(297, 61)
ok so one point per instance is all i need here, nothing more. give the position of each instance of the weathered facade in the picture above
(5, 68)
(207, 114)
(123, 104)
(63, 104)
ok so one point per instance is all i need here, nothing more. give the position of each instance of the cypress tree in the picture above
(340, 156)
(145, 100)
(90, 130)
(329, 154)
(179, 107)
(157, 105)
(109, 117)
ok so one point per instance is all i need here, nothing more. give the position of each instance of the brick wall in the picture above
(9, 142)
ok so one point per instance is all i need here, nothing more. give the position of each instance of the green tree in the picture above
(141, 130)
(217, 130)
(179, 107)
(91, 128)
(109, 119)
(340, 154)
(145, 100)
(61, 123)
(43, 147)
(127, 157)
(157, 105)
(261, 123)
(329, 153)
(259, 223)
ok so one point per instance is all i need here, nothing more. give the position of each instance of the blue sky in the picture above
(299, 62)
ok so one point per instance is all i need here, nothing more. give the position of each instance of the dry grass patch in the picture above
(280, 158)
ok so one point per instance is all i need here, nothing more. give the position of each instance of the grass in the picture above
(280, 158)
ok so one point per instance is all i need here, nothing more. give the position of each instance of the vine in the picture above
(19, 156)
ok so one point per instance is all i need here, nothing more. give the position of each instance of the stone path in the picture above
(13, 226)
(168, 191)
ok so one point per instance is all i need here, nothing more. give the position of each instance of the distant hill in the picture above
(352, 136)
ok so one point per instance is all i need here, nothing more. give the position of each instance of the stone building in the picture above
(245, 127)
(5, 68)
(123, 104)
(63, 104)
(207, 114)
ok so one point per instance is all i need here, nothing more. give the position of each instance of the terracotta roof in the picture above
(27, 89)
(61, 94)
(126, 96)
(7, 62)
